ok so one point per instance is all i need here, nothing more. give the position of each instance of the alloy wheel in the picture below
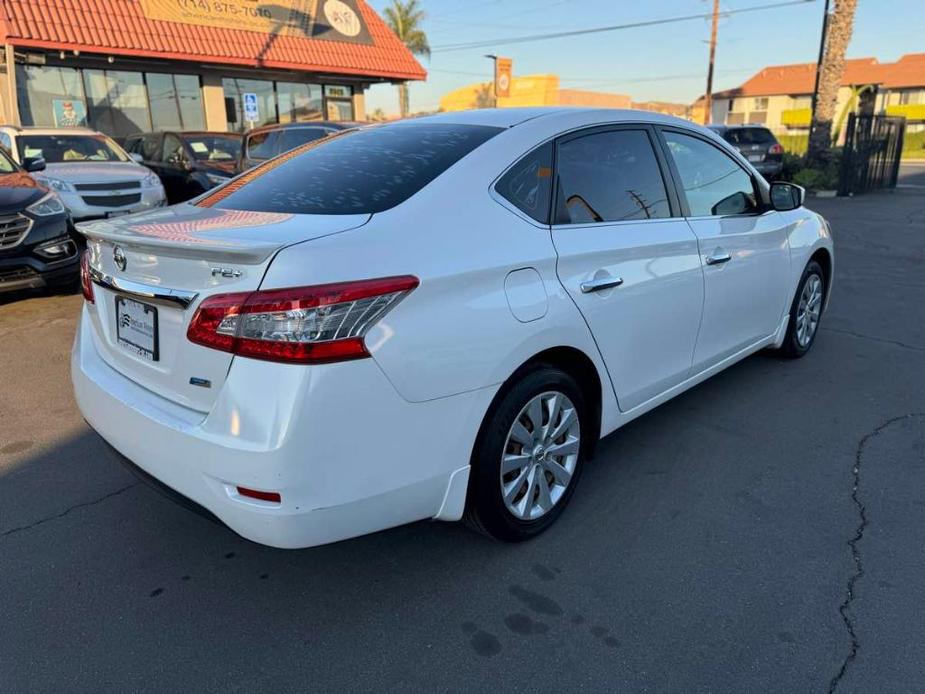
(809, 310)
(540, 455)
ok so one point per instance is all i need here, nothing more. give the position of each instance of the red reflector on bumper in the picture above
(263, 496)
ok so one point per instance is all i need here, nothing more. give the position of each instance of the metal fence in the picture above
(873, 148)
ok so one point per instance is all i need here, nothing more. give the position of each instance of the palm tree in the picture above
(838, 35)
(405, 19)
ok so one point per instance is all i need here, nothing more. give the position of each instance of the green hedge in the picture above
(914, 145)
(794, 144)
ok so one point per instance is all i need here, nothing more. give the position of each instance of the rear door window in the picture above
(263, 145)
(610, 176)
(293, 137)
(361, 171)
(528, 184)
(150, 148)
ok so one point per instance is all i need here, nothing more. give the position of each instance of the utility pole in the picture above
(822, 38)
(494, 79)
(708, 97)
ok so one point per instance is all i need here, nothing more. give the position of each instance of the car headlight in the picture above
(55, 184)
(151, 181)
(47, 206)
(217, 180)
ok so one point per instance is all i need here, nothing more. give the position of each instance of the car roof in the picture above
(510, 117)
(333, 124)
(741, 126)
(39, 130)
(185, 133)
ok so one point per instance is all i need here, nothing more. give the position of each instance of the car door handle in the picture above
(718, 258)
(600, 284)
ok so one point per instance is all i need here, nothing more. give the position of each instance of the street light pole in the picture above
(494, 79)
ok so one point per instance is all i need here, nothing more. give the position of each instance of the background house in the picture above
(780, 96)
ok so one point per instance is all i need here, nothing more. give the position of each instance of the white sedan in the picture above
(435, 318)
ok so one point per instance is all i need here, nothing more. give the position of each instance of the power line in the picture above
(602, 29)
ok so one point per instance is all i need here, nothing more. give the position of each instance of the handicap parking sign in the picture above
(251, 112)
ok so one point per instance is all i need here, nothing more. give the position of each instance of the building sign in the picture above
(251, 110)
(330, 20)
(503, 70)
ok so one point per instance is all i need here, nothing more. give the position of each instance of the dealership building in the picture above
(128, 66)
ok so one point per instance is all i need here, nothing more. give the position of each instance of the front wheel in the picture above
(805, 312)
(529, 455)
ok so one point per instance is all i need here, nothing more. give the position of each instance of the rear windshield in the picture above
(359, 171)
(749, 136)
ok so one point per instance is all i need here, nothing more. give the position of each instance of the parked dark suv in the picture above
(36, 249)
(188, 163)
(757, 144)
(267, 141)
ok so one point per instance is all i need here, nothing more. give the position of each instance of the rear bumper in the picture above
(769, 168)
(348, 455)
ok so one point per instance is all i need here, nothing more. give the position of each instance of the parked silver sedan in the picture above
(92, 174)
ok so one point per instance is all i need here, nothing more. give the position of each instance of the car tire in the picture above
(805, 312)
(509, 437)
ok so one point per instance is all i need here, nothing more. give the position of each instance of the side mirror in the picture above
(33, 164)
(787, 196)
(136, 157)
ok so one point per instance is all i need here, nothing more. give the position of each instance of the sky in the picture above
(658, 63)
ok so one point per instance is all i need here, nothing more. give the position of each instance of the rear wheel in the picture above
(529, 455)
(805, 312)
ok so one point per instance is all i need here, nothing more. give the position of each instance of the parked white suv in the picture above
(436, 316)
(92, 174)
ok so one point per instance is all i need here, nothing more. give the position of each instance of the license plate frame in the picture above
(141, 351)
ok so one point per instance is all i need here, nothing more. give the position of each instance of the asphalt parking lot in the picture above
(762, 532)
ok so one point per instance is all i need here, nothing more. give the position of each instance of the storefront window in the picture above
(176, 101)
(338, 102)
(239, 119)
(298, 102)
(50, 96)
(118, 102)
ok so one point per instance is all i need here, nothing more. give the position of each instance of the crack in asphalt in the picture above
(84, 504)
(858, 572)
(884, 340)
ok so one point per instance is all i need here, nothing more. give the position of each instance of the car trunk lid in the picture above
(151, 271)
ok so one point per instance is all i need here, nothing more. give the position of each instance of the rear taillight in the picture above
(303, 325)
(86, 284)
(776, 149)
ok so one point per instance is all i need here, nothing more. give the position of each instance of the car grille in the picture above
(111, 200)
(118, 185)
(13, 229)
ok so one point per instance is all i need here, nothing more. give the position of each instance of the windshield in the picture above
(357, 171)
(214, 147)
(6, 164)
(68, 149)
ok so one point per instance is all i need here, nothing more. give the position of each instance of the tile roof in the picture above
(908, 71)
(120, 27)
